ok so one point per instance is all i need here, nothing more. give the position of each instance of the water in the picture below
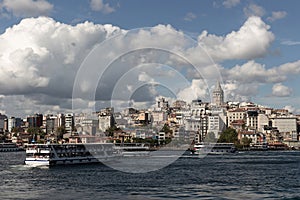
(246, 175)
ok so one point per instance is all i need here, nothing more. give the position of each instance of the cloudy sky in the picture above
(59, 53)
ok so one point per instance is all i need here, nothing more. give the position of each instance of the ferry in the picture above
(9, 147)
(259, 147)
(69, 153)
(213, 148)
(133, 149)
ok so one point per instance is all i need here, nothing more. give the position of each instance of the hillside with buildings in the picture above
(179, 122)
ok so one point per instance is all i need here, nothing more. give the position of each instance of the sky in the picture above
(82, 55)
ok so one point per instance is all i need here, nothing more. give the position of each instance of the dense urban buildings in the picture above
(168, 121)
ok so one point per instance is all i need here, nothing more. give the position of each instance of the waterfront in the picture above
(251, 175)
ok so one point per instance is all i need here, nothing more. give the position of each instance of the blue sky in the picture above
(269, 76)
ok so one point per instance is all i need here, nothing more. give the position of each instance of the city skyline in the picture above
(247, 41)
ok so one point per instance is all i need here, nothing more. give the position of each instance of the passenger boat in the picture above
(213, 148)
(9, 147)
(133, 149)
(259, 147)
(60, 154)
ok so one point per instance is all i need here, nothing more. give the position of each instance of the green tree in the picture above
(110, 131)
(2, 137)
(166, 129)
(246, 141)
(60, 132)
(229, 135)
(34, 131)
(16, 129)
(118, 141)
(168, 140)
(210, 137)
(127, 141)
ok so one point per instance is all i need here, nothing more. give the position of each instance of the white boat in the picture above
(9, 147)
(61, 154)
(133, 149)
(259, 147)
(213, 148)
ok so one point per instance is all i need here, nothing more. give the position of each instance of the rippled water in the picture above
(245, 175)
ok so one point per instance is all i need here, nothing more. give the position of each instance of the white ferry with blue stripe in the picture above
(62, 154)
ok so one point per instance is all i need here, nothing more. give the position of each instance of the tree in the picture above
(34, 131)
(166, 129)
(110, 131)
(127, 141)
(246, 141)
(210, 137)
(118, 141)
(229, 136)
(16, 129)
(60, 132)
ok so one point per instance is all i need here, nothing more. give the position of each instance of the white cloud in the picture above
(280, 90)
(291, 68)
(254, 72)
(290, 108)
(145, 77)
(99, 5)
(254, 10)
(39, 58)
(277, 15)
(243, 81)
(290, 42)
(190, 16)
(26, 8)
(251, 41)
(230, 3)
(238, 91)
(42, 55)
(197, 90)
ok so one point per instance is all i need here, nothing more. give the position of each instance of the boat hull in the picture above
(37, 162)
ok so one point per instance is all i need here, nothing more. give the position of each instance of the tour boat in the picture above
(259, 147)
(133, 149)
(213, 148)
(60, 154)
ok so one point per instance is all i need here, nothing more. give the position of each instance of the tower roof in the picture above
(218, 87)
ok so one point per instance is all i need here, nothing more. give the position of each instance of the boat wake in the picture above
(24, 167)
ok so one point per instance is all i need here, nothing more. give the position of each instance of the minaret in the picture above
(218, 95)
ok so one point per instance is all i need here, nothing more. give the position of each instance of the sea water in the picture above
(245, 175)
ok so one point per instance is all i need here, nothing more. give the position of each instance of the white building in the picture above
(252, 119)
(106, 118)
(262, 121)
(88, 126)
(159, 117)
(198, 108)
(285, 124)
(161, 136)
(2, 119)
(11, 123)
(69, 122)
(215, 125)
(182, 115)
(236, 114)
